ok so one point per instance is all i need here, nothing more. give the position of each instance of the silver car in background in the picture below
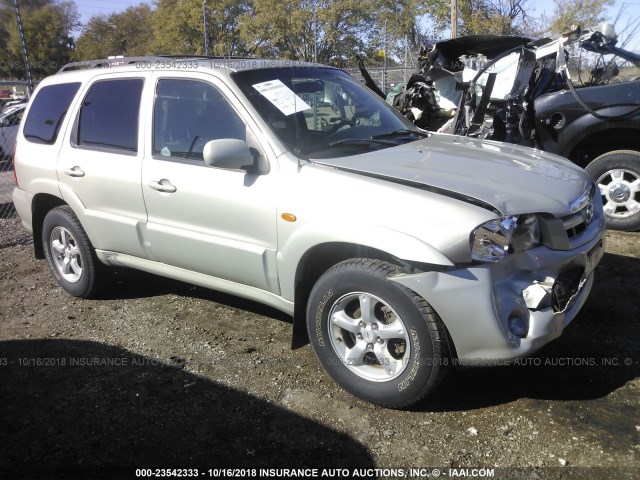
(397, 252)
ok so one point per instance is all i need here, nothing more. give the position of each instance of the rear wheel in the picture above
(377, 339)
(617, 175)
(70, 255)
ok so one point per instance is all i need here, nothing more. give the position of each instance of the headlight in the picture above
(497, 238)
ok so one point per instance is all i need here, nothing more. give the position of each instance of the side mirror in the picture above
(228, 153)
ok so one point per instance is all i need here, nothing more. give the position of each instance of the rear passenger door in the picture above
(100, 163)
(214, 221)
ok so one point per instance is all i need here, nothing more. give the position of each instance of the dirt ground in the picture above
(160, 374)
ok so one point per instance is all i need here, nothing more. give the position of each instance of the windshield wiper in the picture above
(360, 143)
(401, 132)
(354, 142)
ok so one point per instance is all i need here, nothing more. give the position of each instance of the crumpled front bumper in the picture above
(481, 305)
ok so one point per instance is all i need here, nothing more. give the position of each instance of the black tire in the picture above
(70, 255)
(615, 173)
(396, 371)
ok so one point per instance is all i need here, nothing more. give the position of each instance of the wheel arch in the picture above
(42, 204)
(317, 260)
(594, 141)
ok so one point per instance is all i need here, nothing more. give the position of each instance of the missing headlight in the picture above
(497, 238)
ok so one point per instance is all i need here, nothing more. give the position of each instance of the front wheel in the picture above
(377, 339)
(617, 175)
(70, 255)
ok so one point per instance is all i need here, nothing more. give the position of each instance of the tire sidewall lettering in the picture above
(319, 317)
(410, 375)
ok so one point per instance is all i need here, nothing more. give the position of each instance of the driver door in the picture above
(213, 221)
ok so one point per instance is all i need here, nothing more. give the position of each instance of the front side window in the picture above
(109, 115)
(47, 112)
(189, 113)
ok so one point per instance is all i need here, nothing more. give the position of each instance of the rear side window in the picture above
(47, 112)
(109, 115)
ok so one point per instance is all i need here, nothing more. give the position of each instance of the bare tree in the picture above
(510, 15)
(629, 32)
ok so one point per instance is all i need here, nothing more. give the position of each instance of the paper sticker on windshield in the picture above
(282, 97)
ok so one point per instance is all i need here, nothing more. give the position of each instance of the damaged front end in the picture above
(523, 299)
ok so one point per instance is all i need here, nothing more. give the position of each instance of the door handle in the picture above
(74, 172)
(163, 186)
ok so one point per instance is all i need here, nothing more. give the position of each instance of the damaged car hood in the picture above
(497, 176)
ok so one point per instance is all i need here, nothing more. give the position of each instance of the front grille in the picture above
(574, 224)
(564, 233)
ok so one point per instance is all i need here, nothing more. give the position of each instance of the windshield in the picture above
(322, 112)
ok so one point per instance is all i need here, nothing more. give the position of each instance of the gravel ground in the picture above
(160, 374)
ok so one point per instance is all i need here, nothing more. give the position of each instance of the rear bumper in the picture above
(477, 303)
(22, 202)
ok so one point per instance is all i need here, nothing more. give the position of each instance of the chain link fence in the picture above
(10, 116)
(12, 233)
(389, 77)
(6, 189)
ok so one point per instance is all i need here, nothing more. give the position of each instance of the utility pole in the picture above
(25, 56)
(204, 20)
(405, 59)
(315, 34)
(454, 18)
(384, 64)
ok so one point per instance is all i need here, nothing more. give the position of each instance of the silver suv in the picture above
(398, 252)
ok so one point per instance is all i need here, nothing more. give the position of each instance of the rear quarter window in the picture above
(47, 112)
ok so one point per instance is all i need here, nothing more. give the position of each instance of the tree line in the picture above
(327, 31)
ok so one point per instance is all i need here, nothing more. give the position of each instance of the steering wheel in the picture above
(339, 125)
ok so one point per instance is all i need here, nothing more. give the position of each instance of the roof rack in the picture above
(118, 61)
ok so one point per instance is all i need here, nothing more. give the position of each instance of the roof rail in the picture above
(118, 61)
(210, 57)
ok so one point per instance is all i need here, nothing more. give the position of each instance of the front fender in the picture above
(561, 107)
(394, 243)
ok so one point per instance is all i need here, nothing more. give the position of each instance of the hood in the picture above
(498, 176)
